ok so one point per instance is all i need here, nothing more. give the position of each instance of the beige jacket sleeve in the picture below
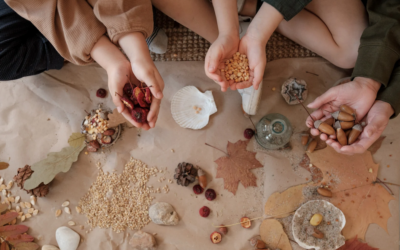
(74, 26)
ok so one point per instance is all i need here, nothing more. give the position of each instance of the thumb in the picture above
(326, 97)
(375, 127)
(118, 103)
(214, 61)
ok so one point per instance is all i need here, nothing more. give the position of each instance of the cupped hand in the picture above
(255, 51)
(222, 49)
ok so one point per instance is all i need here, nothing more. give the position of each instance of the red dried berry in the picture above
(204, 211)
(109, 132)
(139, 114)
(101, 93)
(210, 194)
(248, 133)
(94, 144)
(126, 101)
(197, 189)
(128, 90)
(106, 139)
(140, 97)
(148, 96)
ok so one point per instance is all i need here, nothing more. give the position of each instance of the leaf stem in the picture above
(303, 106)
(217, 149)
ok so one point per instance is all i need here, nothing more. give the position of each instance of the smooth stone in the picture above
(49, 247)
(143, 241)
(67, 238)
(163, 213)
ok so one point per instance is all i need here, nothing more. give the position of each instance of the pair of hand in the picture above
(224, 48)
(360, 94)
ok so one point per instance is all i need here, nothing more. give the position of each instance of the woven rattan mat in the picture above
(185, 45)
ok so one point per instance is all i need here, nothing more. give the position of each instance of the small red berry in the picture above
(216, 237)
(248, 133)
(210, 194)
(101, 93)
(197, 189)
(204, 211)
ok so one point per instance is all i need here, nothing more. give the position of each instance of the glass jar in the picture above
(273, 131)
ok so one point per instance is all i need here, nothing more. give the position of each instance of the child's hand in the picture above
(143, 68)
(360, 94)
(221, 50)
(255, 51)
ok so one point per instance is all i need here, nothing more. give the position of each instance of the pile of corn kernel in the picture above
(237, 68)
(96, 122)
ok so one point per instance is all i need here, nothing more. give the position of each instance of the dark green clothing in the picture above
(288, 8)
(379, 51)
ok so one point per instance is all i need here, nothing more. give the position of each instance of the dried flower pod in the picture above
(311, 146)
(304, 139)
(330, 121)
(343, 116)
(341, 136)
(324, 192)
(185, 174)
(318, 234)
(324, 128)
(348, 110)
(354, 134)
(202, 178)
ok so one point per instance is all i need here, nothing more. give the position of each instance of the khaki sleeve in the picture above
(124, 16)
(69, 25)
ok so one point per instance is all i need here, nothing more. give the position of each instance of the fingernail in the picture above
(211, 68)
(119, 109)
(309, 105)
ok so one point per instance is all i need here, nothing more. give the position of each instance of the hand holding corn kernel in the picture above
(237, 69)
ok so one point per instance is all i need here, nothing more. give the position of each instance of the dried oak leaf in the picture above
(76, 140)
(26, 246)
(351, 179)
(56, 162)
(280, 205)
(272, 233)
(115, 119)
(4, 165)
(236, 167)
(16, 239)
(355, 244)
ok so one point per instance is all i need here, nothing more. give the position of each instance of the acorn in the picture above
(343, 116)
(344, 125)
(202, 178)
(311, 146)
(341, 136)
(347, 133)
(324, 128)
(330, 121)
(355, 133)
(348, 110)
(304, 139)
(324, 192)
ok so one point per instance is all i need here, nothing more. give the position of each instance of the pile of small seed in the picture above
(237, 68)
(120, 200)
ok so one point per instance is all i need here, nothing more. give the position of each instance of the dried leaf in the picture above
(7, 218)
(14, 240)
(6, 231)
(45, 170)
(354, 192)
(115, 119)
(280, 205)
(3, 207)
(316, 174)
(355, 244)
(236, 167)
(377, 145)
(26, 246)
(4, 246)
(4, 165)
(76, 140)
(272, 233)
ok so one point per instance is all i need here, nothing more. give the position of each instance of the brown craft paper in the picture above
(39, 113)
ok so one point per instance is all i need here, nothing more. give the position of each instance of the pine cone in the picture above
(185, 174)
(23, 174)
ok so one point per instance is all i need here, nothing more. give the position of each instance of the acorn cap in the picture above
(357, 127)
(337, 125)
(317, 123)
(335, 114)
(200, 172)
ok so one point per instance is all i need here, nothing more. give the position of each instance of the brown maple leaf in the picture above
(352, 181)
(355, 244)
(237, 165)
(316, 174)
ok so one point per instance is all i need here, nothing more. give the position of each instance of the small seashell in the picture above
(65, 204)
(17, 199)
(67, 210)
(78, 210)
(71, 223)
(35, 212)
(28, 216)
(28, 205)
(182, 107)
(22, 218)
(33, 199)
(30, 210)
(58, 212)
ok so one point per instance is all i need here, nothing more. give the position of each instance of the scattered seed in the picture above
(28, 216)
(10, 184)
(4, 192)
(67, 210)
(22, 204)
(65, 204)
(58, 212)
(30, 210)
(35, 212)
(22, 218)
(78, 210)
(11, 199)
(28, 205)
(17, 199)
(71, 223)
(14, 222)
(370, 170)
(33, 199)
(1, 180)
(18, 209)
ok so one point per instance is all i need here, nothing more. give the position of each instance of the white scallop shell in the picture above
(183, 107)
(325, 206)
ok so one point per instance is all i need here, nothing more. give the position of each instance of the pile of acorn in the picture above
(342, 124)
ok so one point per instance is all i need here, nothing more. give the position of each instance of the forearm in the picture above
(135, 46)
(227, 17)
(264, 23)
(107, 55)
